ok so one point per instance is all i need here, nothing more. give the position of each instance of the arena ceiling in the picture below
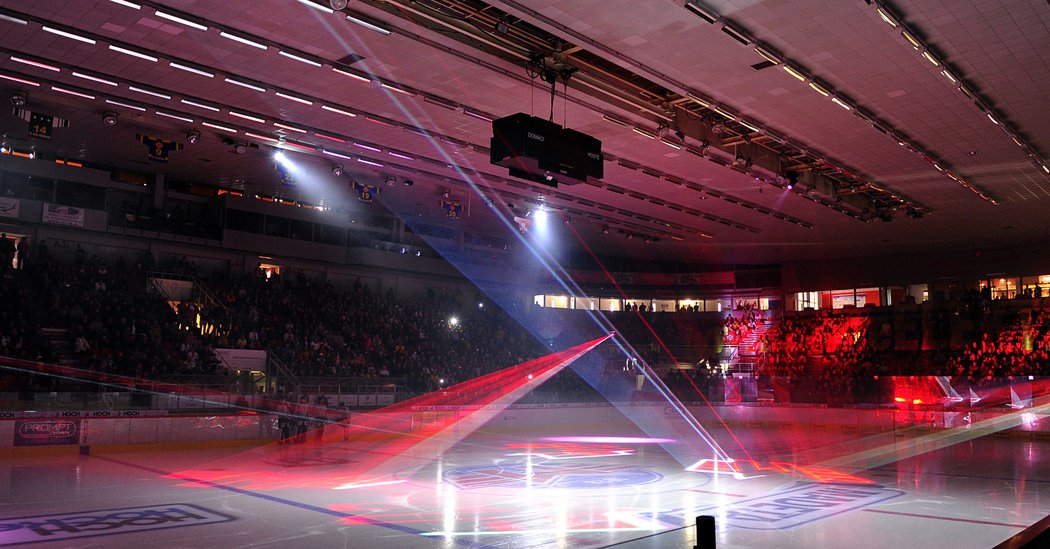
(911, 126)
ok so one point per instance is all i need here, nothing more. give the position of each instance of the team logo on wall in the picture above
(550, 475)
(83, 524)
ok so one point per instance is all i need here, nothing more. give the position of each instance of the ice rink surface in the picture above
(545, 486)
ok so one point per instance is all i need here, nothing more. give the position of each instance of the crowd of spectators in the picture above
(117, 324)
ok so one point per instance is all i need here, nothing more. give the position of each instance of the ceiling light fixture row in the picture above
(774, 57)
(887, 15)
(300, 146)
(256, 42)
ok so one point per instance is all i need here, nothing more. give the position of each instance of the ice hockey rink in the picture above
(563, 476)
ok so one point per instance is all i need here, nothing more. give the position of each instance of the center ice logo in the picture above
(549, 475)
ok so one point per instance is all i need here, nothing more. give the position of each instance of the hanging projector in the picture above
(538, 150)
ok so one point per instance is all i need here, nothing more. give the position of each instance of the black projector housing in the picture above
(538, 150)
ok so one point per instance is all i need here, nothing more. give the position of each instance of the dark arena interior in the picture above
(514, 274)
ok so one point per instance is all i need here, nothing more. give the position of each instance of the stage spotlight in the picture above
(193, 136)
(337, 170)
(338, 5)
(541, 217)
(32, 154)
(280, 157)
(19, 98)
(454, 321)
(110, 118)
(481, 305)
(419, 253)
(4, 149)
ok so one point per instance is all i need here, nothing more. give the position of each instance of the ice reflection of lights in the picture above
(611, 440)
(353, 485)
(449, 511)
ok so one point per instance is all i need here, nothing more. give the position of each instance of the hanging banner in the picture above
(63, 215)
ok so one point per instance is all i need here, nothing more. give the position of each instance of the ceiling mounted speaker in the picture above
(338, 5)
(109, 118)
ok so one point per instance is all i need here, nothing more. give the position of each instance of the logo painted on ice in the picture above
(550, 475)
(84, 524)
(803, 503)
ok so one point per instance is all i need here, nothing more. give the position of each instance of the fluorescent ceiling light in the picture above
(337, 155)
(399, 155)
(701, 12)
(126, 3)
(476, 114)
(329, 137)
(13, 19)
(299, 59)
(886, 17)
(71, 92)
(949, 76)
(396, 89)
(132, 53)
(369, 162)
(795, 73)
(190, 69)
(1046, 169)
(293, 98)
(367, 25)
(338, 111)
(841, 103)
(308, 3)
(34, 63)
(149, 92)
(726, 114)
(218, 127)
(94, 78)
(351, 75)
(70, 35)
(201, 105)
(616, 121)
(911, 40)
(257, 136)
(768, 56)
(242, 40)
(289, 128)
(175, 116)
(119, 104)
(818, 89)
(643, 132)
(749, 126)
(671, 144)
(992, 118)
(177, 19)
(19, 80)
(247, 117)
(245, 85)
(929, 57)
(368, 147)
